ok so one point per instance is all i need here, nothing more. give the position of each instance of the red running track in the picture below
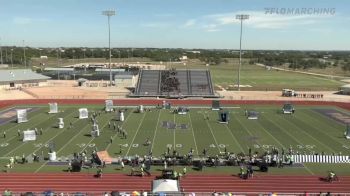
(78, 182)
(73, 182)
(8, 103)
(19, 182)
(265, 183)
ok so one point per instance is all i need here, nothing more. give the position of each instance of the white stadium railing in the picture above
(320, 159)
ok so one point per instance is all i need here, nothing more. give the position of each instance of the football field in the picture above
(310, 130)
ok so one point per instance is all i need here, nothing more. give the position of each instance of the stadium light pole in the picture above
(12, 58)
(240, 17)
(2, 62)
(24, 55)
(109, 13)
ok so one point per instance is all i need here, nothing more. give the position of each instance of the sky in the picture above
(207, 24)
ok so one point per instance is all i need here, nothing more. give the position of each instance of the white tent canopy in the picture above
(165, 185)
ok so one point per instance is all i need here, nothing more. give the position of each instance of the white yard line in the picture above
(133, 139)
(18, 124)
(33, 126)
(174, 131)
(155, 133)
(284, 147)
(322, 144)
(36, 171)
(93, 138)
(295, 140)
(276, 140)
(234, 138)
(194, 138)
(115, 135)
(6, 109)
(212, 133)
(242, 124)
(315, 120)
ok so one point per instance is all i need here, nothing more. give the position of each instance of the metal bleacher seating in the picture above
(148, 83)
(200, 84)
(193, 83)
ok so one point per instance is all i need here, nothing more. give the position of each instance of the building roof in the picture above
(107, 70)
(346, 86)
(123, 76)
(20, 75)
(58, 69)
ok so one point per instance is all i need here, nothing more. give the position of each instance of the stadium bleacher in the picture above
(193, 83)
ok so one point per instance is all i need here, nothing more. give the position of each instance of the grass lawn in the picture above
(307, 131)
(225, 74)
(261, 79)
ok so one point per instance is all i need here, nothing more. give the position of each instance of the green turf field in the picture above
(306, 131)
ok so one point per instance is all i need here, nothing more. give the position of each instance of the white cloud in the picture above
(164, 15)
(27, 20)
(257, 19)
(213, 30)
(269, 21)
(155, 25)
(189, 23)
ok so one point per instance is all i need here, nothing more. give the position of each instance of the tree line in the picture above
(293, 59)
